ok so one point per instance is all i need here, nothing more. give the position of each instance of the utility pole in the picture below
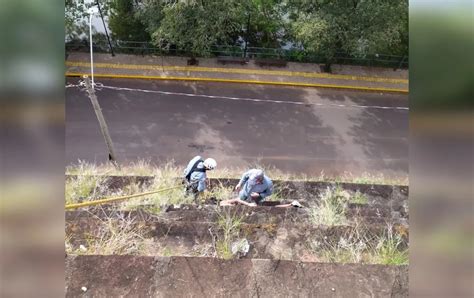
(103, 125)
(105, 28)
(248, 34)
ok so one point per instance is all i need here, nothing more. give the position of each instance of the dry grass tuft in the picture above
(114, 237)
(362, 246)
(330, 211)
(228, 225)
(146, 168)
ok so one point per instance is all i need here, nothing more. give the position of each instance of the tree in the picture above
(75, 14)
(76, 17)
(125, 24)
(193, 26)
(265, 17)
(354, 27)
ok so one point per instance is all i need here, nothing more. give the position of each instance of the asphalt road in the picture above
(298, 130)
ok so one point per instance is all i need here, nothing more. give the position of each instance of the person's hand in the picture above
(237, 187)
(253, 204)
(255, 195)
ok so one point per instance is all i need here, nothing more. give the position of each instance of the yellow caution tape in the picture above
(108, 200)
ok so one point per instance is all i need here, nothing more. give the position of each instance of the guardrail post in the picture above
(400, 64)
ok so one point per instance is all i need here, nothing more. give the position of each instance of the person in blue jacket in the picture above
(253, 188)
(195, 175)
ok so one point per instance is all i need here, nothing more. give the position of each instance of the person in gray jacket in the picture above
(195, 175)
(254, 187)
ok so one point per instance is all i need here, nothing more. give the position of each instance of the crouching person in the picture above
(253, 187)
(195, 177)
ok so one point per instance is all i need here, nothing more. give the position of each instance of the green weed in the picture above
(359, 198)
(228, 225)
(361, 246)
(330, 210)
(83, 188)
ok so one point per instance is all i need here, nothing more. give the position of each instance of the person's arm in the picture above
(244, 178)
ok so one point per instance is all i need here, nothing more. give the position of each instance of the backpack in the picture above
(195, 169)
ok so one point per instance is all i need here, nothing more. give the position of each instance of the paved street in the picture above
(299, 130)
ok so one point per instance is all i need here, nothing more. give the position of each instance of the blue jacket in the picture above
(197, 176)
(248, 186)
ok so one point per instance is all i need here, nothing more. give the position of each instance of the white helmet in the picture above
(210, 163)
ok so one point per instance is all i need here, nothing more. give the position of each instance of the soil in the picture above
(141, 276)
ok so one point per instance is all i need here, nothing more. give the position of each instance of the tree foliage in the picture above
(263, 23)
(125, 24)
(76, 16)
(193, 26)
(320, 27)
(356, 27)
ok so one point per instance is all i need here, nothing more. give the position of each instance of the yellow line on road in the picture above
(292, 84)
(237, 71)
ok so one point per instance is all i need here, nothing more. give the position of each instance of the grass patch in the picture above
(280, 193)
(140, 167)
(114, 237)
(167, 252)
(387, 251)
(88, 184)
(146, 168)
(219, 192)
(359, 198)
(361, 246)
(154, 202)
(82, 188)
(229, 225)
(330, 210)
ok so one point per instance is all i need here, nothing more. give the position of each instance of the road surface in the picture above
(297, 130)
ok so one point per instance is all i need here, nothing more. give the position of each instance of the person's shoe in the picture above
(296, 204)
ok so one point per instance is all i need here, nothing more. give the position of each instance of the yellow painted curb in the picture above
(237, 71)
(292, 84)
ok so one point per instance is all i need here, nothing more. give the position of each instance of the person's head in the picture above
(257, 176)
(210, 164)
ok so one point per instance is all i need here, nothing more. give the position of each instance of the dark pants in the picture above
(192, 188)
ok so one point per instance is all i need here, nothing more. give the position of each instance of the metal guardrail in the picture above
(291, 55)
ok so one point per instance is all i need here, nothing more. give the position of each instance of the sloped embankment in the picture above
(265, 251)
